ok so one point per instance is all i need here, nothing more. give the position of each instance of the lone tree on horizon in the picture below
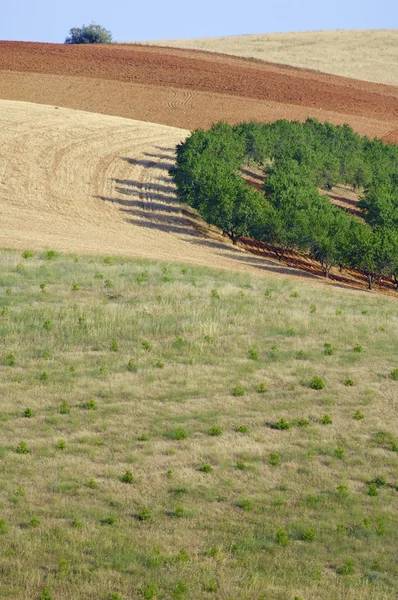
(89, 34)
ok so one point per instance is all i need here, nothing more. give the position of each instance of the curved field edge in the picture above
(180, 375)
(80, 182)
(370, 55)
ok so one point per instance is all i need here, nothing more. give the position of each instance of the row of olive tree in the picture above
(289, 213)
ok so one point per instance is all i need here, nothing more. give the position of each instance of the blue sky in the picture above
(137, 20)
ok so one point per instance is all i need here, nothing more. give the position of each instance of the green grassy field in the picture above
(160, 438)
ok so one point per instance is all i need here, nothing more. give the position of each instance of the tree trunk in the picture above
(370, 282)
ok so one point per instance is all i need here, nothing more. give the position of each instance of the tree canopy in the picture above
(290, 213)
(89, 34)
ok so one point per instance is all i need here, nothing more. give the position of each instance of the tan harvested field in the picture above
(86, 183)
(371, 55)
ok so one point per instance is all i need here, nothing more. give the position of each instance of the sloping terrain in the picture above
(371, 55)
(188, 89)
(86, 183)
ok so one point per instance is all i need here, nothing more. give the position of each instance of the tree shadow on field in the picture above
(165, 148)
(148, 164)
(150, 186)
(150, 205)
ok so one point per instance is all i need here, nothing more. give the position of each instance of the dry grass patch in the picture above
(364, 54)
(162, 479)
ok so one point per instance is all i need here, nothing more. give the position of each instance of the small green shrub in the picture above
(261, 388)
(307, 535)
(316, 383)
(3, 527)
(143, 277)
(238, 390)
(274, 459)
(358, 348)
(302, 422)
(394, 374)
(294, 295)
(90, 404)
(92, 484)
(211, 586)
(159, 364)
(46, 595)
(358, 415)
(10, 360)
(47, 325)
(34, 522)
(242, 429)
(131, 366)
(245, 504)
(348, 382)
(43, 377)
(127, 477)
(342, 491)
(326, 420)
(179, 511)
(214, 431)
(373, 490)
(205, 468)
(114, 346)
(348, 568)
(312, 308)
(108, 260)
(240, 464)
(60, 445)
(178, 434)
(282, 538)
(179, 591)
(22, 448)
(75, 287)
(28, 413)
(328, 349)
(339, 452)
(282, 424)
(115, 596)
(253, 354)
(178, 343)
(27, 254)
(146, 345)
(98, 275)
(43, 287)
(76, 523)
(149, 592)
(111, 520)
(51, 255)
(380, 481)
(64, 408)
(108, 283)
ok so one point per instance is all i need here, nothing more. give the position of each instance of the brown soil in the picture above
(177, 87)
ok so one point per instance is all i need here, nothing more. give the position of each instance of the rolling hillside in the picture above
(371, 55)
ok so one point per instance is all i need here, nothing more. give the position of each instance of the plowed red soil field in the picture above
(187, 88)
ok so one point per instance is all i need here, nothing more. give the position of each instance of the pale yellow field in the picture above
(87, 183)
(371, 55)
